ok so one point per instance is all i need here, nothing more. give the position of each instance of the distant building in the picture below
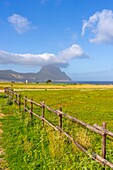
(26, 81)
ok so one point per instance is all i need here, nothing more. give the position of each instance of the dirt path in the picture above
(3, 163)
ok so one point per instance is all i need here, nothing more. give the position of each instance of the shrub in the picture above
(48, 81)
(9, 101)
(3, 96)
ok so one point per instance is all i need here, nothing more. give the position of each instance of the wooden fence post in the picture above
(13, 96)
(104, 142)
(19, 100)
(43, 112)
(6, 91)
(9, 93)
(60, 121)
(31, 109)
(25, 103)
(16, 98)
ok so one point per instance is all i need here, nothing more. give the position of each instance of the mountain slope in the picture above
(53, 73)
(47, 72)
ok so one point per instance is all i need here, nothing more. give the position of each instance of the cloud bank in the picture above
(101, 26)
(61, 60)
(20, 23)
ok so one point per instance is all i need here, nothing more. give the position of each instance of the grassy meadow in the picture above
(29, 146)
(35, 86)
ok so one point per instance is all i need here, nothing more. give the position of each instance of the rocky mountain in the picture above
(47, 72)
(53, 73)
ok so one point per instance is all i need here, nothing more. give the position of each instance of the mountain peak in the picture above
(47, 72)
(52, 72)
(50, 69)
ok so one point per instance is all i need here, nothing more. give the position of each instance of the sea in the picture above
(94, 82)
(88, 82)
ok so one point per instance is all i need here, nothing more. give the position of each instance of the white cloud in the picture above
(62, 59)
(75, 51)
(101, 26)
(20, 23)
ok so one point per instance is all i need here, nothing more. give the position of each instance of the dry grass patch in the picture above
(1, 115)
(54, 86)
(1, 131)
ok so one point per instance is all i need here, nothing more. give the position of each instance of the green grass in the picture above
(94, 106)
(29, 146)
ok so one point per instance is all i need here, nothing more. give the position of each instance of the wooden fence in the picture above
(96, 128)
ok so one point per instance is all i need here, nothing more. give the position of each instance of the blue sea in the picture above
(88, 82)
(93, 82)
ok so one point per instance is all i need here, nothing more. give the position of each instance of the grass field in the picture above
(91, 106)
(53, 86)
(29, 146)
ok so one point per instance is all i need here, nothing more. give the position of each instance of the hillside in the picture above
(53, 73)
(47, 72)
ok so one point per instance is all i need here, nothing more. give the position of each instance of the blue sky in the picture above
(76, 35)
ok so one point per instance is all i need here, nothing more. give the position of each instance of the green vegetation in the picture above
(43, 86)
(89, 105)
(48, 81)
(29, 146)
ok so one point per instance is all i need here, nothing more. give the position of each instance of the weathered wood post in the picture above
(31, 109)
(60, 120)
(12, 95)
(25, 103)
(19, 100)
(43, 112)
(16, 98)
(104, 142)
(7, 92)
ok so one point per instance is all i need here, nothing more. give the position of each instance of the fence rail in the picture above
(17, 98)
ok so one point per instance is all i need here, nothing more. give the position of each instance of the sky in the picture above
(75, 35)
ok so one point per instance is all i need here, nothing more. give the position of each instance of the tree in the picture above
(48, 81)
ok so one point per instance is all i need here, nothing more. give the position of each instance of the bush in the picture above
(9, 101)
(48, 81)
(3, 96)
